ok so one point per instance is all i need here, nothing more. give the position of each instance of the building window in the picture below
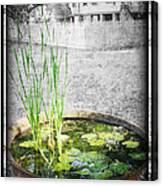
(85, 4)
(72, 18)
(107, 17)
(94, 3)
(73, 5)
(91, 18)
(117, 16)
(81, 18)
(98, 17)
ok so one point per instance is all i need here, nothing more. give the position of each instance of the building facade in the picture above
(107, 11)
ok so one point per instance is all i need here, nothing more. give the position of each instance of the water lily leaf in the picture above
(78, 164)
(118, 137)
(91, 156)
(119, 167)
(98, 166)
(105, 135)
(27, 144)
(103, 128)
(73, 152)
(114, 136)
(131, 144)
(102, 175)
(84, 172)
(89, 136)
(137, 155)
(96, 142)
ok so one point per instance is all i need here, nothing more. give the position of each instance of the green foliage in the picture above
(93, 139)
(119, 167)
(131, 144)
(63, 163)
(98, 166)
(101, 138)
(113, 135)
(137, 155)
(61, 166)
(102, 175)
(93, 164)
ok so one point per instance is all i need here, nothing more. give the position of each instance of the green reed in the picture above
(54, 109)
(32, 92)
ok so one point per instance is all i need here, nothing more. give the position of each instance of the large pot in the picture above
(22, 126)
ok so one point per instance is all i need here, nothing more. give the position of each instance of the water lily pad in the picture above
(27, 144)
(91, 156)
(131, 144)
(102, 175)
(84, 172)
(103, 128)
(98, 166)
(89, 136)
(114, 136)
(73, 152)
(137, 155)
(78, 164)
(97, 142)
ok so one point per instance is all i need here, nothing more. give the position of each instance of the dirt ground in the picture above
(112, 82)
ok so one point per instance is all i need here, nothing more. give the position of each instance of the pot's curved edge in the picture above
(18, 127)
(20, 172)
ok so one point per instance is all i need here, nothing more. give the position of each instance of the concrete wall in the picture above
(86, 35)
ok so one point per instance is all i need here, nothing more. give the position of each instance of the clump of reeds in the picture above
(32, 93)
